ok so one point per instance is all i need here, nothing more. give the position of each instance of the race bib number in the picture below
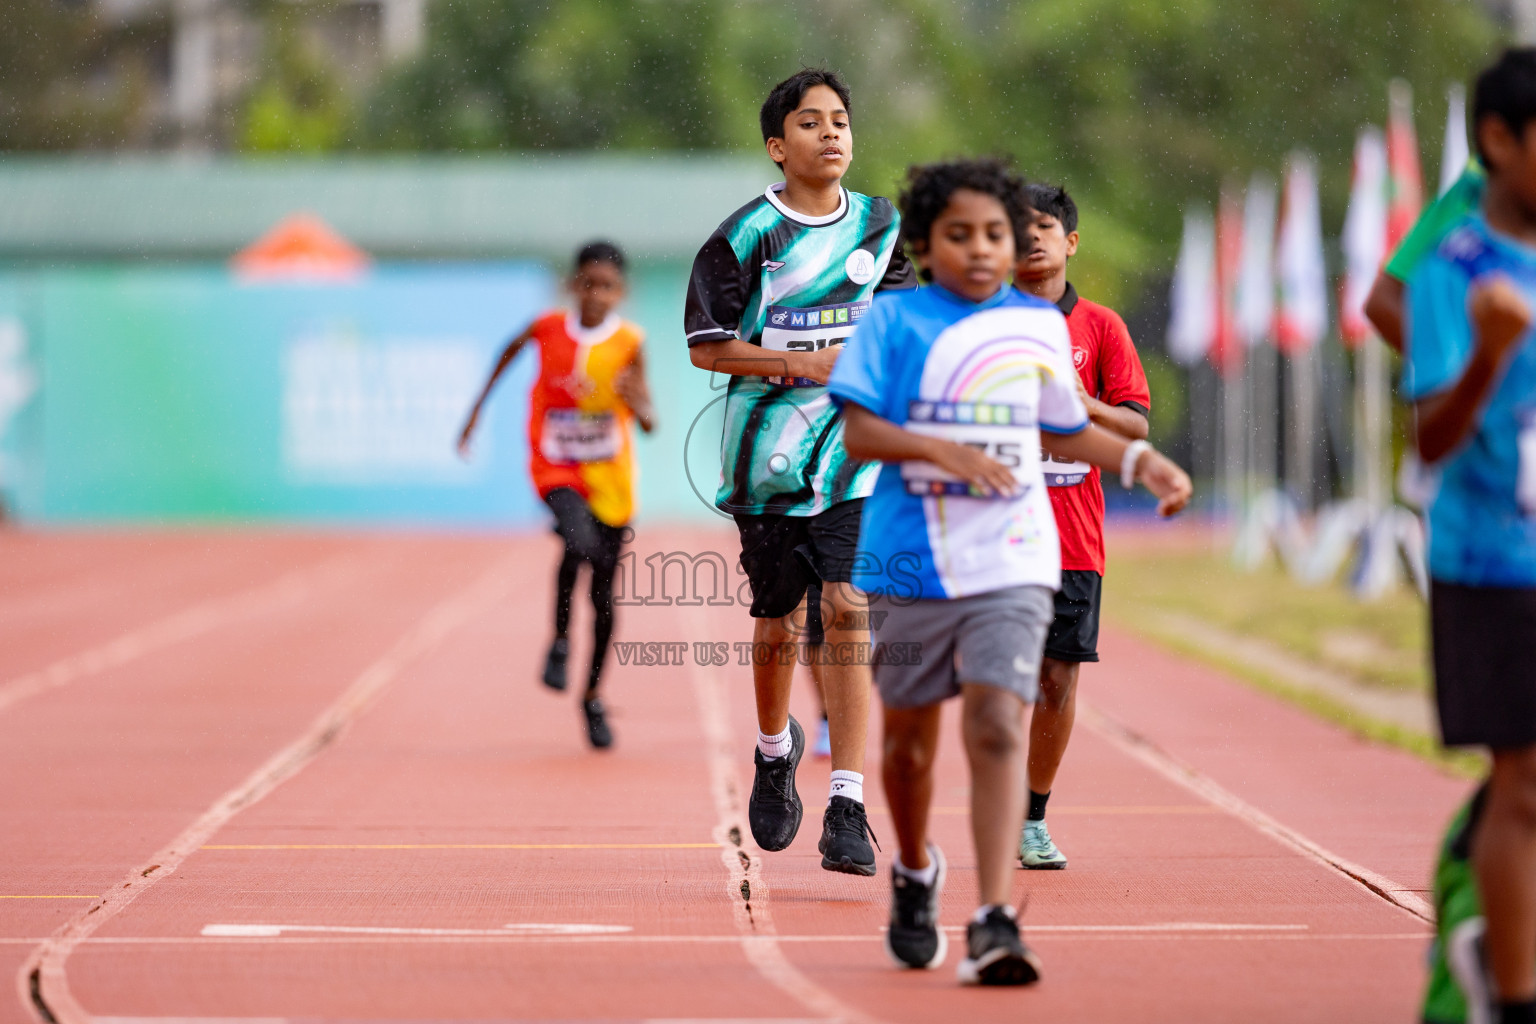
(809, 330)
(1525, 482)
(1001, 432)
(572, 436)
(1061, 472)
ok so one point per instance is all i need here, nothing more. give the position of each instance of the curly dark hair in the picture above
(929, 187)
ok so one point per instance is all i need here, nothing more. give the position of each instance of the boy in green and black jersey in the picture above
(775, 291)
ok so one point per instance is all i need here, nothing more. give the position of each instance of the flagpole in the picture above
(1301, 321)
(1301, 405)
(1373, 392)
(1234, 441)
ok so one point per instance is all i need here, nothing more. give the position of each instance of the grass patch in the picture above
(1381, 643)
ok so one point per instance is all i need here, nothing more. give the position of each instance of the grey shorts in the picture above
(994, 639)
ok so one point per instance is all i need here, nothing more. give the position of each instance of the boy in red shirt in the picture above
(1114, 388)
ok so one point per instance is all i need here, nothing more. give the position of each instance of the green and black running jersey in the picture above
(787, 282)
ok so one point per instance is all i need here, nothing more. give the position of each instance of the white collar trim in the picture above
(591, 335)
(771, 194)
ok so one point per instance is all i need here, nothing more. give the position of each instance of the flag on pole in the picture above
(1193, 300)
(1226, 353)
(1302, 317)
(1256, 278)
(1454, 154)
(1405, 187)
(1365, 234)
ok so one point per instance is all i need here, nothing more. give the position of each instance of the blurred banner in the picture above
(182, 394)
(185, 394)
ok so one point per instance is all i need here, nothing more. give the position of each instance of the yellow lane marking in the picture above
(1054, 811)
(462, 846)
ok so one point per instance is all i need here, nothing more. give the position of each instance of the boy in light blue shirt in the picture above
(1471, 373)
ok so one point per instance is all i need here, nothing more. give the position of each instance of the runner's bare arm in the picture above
(1384, 309)
(744, 359)
(1122, 419)
(1500, 318)
(1154, 471)
(635, 390)
(868, 436)
(507, 355)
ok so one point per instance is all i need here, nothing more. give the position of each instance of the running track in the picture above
(268, 776)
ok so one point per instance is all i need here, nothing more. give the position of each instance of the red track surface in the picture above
(433, 794)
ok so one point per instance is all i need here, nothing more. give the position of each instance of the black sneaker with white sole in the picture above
(914, 938)
(995, 954)
(598, 733)
(845, 836)
(554, 663)
(774, 809)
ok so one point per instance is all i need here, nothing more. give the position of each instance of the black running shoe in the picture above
(995, 955)
(774, 809)
(914, 938)
(597, 724)
(845, 835)
(554, 664)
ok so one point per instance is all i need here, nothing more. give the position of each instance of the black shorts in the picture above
(1074, 633)
(1485, 676)
(785, 555)
(586, 537)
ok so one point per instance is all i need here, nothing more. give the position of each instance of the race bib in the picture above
(809, 330)
(1060, 472)
(999, 431)
(572, 436)
(1525, 482)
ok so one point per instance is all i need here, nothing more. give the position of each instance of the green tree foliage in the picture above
(299, 105)
(1138, 106)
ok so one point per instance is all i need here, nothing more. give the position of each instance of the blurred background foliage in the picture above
(1137, 106)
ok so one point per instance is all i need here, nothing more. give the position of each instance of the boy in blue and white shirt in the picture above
(1471, 373)
(955, 387)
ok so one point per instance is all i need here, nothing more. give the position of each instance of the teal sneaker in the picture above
(1458, 991)
(1036, 851)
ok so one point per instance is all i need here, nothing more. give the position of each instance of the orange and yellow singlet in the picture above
(578, 427)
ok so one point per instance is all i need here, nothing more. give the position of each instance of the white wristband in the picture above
(1128, 462)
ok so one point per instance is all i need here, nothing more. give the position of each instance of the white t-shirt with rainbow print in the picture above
(992, 375)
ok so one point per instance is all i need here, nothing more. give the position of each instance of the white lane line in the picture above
(42, 981)
(1265, 935)
(715, 940)
(269, 930)
(179, 627)
(746, 888)
(285, 1020)
(191, 1020)
(263, 931)
(1170, 767)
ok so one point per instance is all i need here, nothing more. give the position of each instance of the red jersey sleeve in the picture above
(1122, 379)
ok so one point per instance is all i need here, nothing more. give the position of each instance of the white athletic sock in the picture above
(775, 746)
(848, 784)
(926, 876)
(987, 908)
